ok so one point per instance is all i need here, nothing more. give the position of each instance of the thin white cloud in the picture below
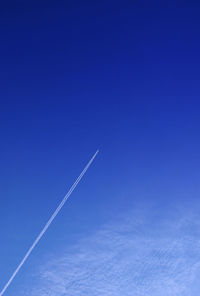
(148, 252)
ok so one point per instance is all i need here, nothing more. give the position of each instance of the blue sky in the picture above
(122, 77)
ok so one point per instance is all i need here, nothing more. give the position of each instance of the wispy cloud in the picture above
(150, 251)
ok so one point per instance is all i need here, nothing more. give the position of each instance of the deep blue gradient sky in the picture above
(122, 77)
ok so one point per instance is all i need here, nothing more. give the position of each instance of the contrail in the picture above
(49, 223)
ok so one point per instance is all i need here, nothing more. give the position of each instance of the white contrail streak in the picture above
(48, 223)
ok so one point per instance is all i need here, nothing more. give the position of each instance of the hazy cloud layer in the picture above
(150, 251)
